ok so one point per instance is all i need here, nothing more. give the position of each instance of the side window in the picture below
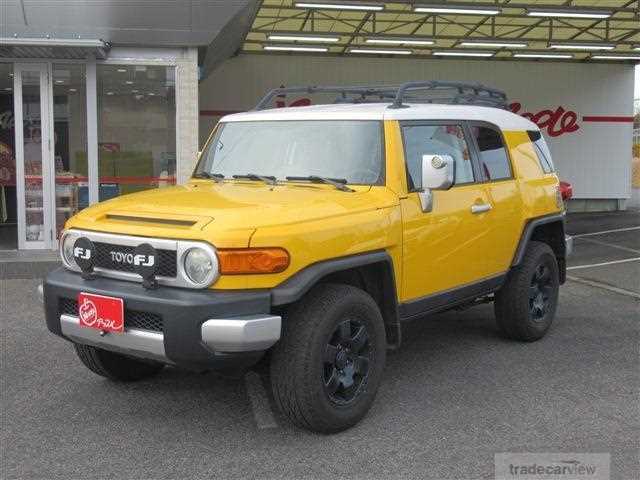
(494, 160)
(542, 151)
(422, 140)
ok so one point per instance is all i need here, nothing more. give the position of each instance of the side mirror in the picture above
(437, 174)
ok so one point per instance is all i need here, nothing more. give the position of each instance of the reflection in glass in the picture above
(136, 128)
(8, 198)
(33, 197)
(70, 137)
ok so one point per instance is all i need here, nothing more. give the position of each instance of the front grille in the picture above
(167, 259)
(132, 318)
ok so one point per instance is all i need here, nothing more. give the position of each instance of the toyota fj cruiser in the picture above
(308, 235)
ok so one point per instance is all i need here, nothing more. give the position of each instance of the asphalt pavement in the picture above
(451, 398)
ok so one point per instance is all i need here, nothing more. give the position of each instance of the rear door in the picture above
(445, 248)
(504, 220)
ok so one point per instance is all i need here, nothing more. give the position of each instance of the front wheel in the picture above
(327, 367)
(526, 304)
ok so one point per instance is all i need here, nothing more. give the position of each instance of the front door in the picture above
(446, 248)
(33, 155)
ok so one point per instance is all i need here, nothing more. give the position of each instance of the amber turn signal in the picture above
(237, 261)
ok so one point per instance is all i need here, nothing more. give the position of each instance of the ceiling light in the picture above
(379, 51)
(284, 48)
(8, 89)
(399, 41)
(637, 48)
(73, 90)
(134, 91)
(568, 13)
(615, 57)
(446, 53)
(122, 70)
(581, 46)
(543, 55)
(490, 44)
(462, 10)
(129, 82)
(109, 93)
(59, 82)
(302, 38)
(151, 94)
(341, 6)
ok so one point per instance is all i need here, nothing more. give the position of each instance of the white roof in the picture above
(381, 111)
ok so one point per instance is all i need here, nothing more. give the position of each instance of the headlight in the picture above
(67, 241)
(199, 266)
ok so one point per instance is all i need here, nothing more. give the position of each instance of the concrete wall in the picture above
(592, 151)
(187, 112)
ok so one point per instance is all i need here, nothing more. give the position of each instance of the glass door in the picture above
(33, 155)
(69, 127)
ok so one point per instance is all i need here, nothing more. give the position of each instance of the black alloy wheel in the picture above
(540, 292)
(346, 362)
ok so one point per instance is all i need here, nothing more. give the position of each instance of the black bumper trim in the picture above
(183, 312)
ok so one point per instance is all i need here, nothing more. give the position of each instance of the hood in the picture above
(203, 205)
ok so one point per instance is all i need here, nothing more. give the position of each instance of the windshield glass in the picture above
(350, 150)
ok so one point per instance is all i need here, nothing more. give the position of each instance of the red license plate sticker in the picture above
(101, 313)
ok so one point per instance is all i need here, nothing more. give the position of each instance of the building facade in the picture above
(97, 99)
(585, 111)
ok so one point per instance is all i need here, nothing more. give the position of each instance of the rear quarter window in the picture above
(542, 151)
(494, 160)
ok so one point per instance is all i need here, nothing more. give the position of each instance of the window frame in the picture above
(475, 166)
(481, 123)
(536, 148)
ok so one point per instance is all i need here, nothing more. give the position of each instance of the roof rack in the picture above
(454, 93)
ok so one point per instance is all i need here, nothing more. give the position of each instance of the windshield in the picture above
(349, 150)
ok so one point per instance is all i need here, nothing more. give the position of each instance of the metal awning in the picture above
(72, 48)
(555, 30)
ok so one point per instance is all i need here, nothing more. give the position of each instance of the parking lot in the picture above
(452, 397)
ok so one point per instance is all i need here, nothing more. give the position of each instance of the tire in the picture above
(526, 304)
(326, 368)
(115, 366)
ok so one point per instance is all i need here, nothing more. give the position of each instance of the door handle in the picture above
(485, 207)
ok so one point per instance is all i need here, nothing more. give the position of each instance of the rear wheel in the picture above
(327, 367)
(115, 366)
(526, 305)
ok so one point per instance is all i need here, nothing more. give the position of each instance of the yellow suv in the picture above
(308, 235)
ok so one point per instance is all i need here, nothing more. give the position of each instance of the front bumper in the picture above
(199, 329)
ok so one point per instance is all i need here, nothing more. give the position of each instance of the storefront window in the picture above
(8, 200)
(136, 128)
(70, 137)
(33, 157)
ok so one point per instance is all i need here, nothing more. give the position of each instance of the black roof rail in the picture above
(434, 91)
(466, 93)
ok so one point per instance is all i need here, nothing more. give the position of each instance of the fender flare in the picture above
(528, 232)
(301, 282)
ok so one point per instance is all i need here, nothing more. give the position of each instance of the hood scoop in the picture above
(157, 221)
(126, 219)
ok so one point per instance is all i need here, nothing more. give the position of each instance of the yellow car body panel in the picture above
(431, 252)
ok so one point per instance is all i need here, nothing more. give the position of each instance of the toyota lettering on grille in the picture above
(133, 259)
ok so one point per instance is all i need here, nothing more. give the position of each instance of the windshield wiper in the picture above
(268, 179)
(339, 183)
(217, 177)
